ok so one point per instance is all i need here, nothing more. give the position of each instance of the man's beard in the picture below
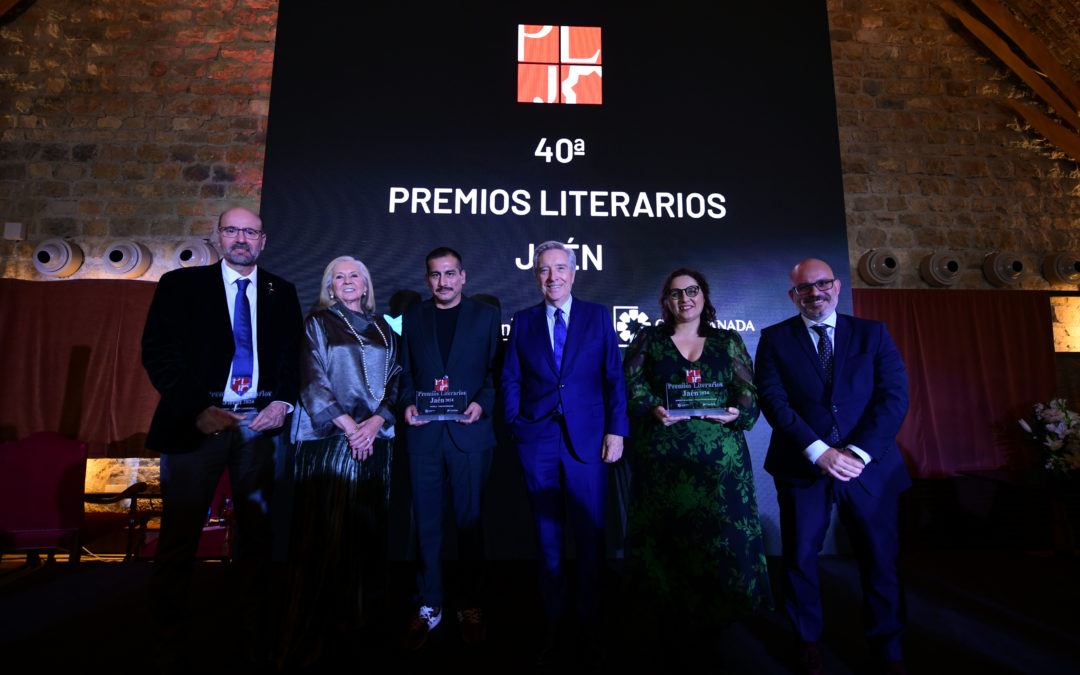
(241, 254)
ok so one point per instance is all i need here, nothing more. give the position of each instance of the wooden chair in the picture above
(100, 523)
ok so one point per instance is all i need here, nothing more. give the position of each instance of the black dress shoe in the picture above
(810, 663)
(547, 656)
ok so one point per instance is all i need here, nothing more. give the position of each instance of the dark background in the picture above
(724, 98)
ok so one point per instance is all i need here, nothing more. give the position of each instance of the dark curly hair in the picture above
(708, 314)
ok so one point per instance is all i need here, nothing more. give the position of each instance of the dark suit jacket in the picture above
(187, 349)
(589, 386)
(867, 401)
(470, 369)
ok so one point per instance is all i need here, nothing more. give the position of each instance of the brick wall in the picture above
(138, 119)
(146, 118)
(931, 161)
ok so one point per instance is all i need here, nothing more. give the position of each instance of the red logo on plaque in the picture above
(559, 64)
(443, 384)
(693, 375)
(241, 384)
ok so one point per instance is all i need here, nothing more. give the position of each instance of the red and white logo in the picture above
(693, 375)
(559, 64)
(241, 384)
(442, 384)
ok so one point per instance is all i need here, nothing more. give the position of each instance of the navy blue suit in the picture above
(867, 402)
(441, 452)
(557, 419)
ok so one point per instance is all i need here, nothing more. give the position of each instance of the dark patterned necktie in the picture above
(824, 350)
(243, 356)
(825, 353)
(560, 337)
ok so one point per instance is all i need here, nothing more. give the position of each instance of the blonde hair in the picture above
(325, 299)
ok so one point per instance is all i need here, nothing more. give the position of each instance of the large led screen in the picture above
(647, 135)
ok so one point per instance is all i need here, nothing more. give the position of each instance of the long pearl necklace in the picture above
(363, 356)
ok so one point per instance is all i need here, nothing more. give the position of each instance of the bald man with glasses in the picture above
(834, 390)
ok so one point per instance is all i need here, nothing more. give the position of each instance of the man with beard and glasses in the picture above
(221, 346)
(834, 390)
(448, 344)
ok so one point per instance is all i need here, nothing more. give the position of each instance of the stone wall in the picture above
(146, 118)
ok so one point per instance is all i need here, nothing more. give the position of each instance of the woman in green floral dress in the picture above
(695, 537)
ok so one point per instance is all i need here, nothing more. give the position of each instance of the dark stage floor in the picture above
(969, 612)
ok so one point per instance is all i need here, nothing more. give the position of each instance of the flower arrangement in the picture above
(1057, 431)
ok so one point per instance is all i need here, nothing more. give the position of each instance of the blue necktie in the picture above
(560, 337)
(825, 353)
(243, 357)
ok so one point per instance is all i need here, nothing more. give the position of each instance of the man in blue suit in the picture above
(834, 390)
(565, 409)
(448, 343)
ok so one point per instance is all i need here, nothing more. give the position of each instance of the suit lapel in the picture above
(220, 321)
(802, 336)
(842, 342)
(427, 315)
(465, 317)
(574, 334)
(264, 308)
(541, 337)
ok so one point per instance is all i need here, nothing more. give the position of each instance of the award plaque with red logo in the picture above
(441, 404)
(695, 398)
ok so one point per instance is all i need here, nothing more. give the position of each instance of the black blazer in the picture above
(470, 368)
(187, 349)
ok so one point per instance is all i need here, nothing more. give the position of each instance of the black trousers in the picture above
(432, 472)
(188, 481)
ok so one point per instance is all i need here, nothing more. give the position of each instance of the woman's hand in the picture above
(364, 436)
(661, 414)
(731, 415)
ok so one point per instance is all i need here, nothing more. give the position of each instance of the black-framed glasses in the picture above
(820, 284)
(689, 291)
(249, 232)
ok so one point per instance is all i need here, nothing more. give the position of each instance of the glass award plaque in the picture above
(441, 404)
(695, 398)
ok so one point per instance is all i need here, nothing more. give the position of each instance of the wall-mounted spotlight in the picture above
(57, 258)
(127, 259)
(1003, 268)
(940, 269)
(193, 254)
(878, 267)
(1062, 268)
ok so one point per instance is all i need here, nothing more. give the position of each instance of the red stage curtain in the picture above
(976, 362)
(71, 362)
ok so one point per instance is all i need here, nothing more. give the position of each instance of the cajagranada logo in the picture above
(559, 64)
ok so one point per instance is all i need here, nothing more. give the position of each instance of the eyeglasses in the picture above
(820, 284)
(689, 291)
(249, 232)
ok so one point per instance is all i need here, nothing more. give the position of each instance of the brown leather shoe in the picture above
(810, 663)
(473, 627)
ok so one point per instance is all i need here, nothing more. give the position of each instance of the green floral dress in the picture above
(695, 538)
